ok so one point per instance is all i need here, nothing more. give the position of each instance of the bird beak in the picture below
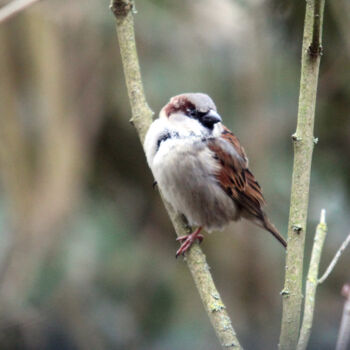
(211, 118)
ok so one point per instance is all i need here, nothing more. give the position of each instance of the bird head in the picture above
(191, 111)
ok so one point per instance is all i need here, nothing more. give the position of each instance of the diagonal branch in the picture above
(303, 147)
(335, 260)
(141, 119)
(14, 7)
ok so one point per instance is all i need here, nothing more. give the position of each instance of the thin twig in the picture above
(14, 7)
(335, 260)
(344, 330)
(303, 148)
(311, 284)
(141, 119)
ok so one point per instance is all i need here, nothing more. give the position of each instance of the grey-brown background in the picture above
(87, 250)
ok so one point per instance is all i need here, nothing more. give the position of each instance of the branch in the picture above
(141, 119)
(312, 282)
(335, 259)
(14, 7)
(303, 147)
(344, 331)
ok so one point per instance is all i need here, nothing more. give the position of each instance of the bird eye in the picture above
(192, 112)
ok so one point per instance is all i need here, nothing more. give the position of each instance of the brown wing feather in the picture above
(239, 183)
(235, 177)
(229, 136)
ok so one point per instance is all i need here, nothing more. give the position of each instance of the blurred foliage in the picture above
(87, 254)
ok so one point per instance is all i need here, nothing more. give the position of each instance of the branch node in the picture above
(284, 292)
(297, 228)
(121, 8)
(217, 306)
(315, 51)
(215, 296)
(296, 138)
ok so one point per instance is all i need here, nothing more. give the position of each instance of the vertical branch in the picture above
(141, 113)
(312, 283)
(141, 119)
(303, 146)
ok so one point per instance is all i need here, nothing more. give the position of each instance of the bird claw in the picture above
(199, 237)
(187, 242)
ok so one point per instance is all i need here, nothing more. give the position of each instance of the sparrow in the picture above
(202, 169)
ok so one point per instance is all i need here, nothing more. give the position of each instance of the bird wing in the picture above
(238, 182)
(234, 176)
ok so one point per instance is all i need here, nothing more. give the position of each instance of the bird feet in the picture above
(188, 240)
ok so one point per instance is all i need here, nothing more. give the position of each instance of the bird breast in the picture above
(185, 170)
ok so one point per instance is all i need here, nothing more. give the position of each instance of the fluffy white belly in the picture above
(186, 178)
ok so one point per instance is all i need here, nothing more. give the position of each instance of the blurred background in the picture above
(87, 250)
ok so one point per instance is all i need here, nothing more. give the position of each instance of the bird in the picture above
(202, 170)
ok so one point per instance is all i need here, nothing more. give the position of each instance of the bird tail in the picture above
(271, 228)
